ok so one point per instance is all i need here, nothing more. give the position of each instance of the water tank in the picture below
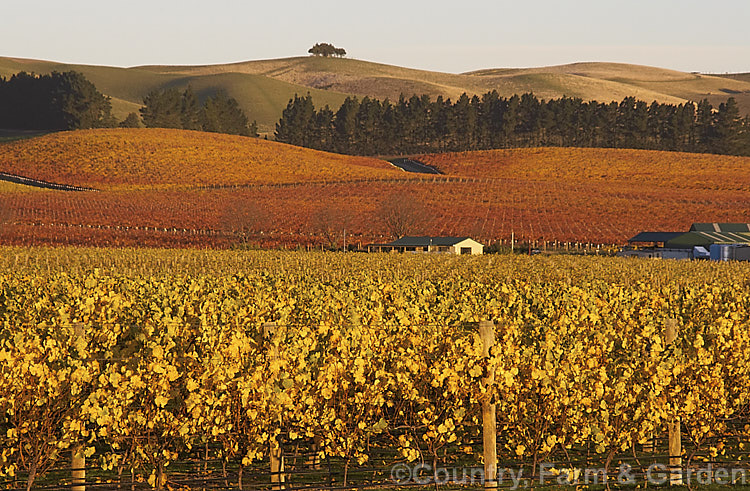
(718, 252)
(723, 252)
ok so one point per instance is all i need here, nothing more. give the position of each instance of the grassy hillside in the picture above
(262, 98)
(161, 159)
(339, 74)
(598, 80)
(264, 87)
(737, 76)
(591, 81)
(743, 97)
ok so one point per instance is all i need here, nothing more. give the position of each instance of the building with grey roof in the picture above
(720, 241)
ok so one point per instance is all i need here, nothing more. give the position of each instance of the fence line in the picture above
(27, 181)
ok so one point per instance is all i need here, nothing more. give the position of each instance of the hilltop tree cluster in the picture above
(58, 101)
(421, 125)
(169, 108)
(326, 50)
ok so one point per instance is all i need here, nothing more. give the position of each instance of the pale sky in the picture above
(457, 36)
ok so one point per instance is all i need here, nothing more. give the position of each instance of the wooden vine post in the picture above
(276, 455)
(489, 422)
(673, 427)
(78, 469)
(78, 459)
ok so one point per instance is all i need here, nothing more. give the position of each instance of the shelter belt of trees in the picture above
(68, 101)
(420, 125)
(220, 113)
(58, 101)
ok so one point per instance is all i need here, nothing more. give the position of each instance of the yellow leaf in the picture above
(161, 401)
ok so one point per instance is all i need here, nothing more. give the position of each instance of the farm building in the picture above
(445, 245)
(717, 241)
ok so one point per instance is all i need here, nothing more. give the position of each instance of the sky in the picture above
(450, 36)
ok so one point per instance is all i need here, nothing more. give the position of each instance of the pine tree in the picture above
(131, 121)
(162, 109)
(442, 113)
(728, 129)
(510, 120)
(81, 105)
(222, 114)
(190, 110)
(684, 127)
(367, 127)
(297, 122)
(462, 124)
(345, 125)
(530, 113)
(491, 120)
(324, 131)
(704, 130)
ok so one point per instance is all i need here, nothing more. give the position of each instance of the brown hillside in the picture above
(159, 187)
(162, 158)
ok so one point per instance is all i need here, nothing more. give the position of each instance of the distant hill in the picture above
(737, 76)
(264, 87)
(742, 96)
(262, 98)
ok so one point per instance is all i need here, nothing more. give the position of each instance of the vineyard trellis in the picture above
(303, 469)
(144, 358)
(538, 195)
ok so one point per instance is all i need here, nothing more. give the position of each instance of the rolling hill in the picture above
(590, 81)
(262, 98)
(264, 87)
(121, 159)
(182, 188)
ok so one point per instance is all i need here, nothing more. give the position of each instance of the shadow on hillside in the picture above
(14, 135)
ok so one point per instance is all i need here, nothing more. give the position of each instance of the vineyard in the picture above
(181, 368)
(608, 167)
(166, 159)
(187, 189)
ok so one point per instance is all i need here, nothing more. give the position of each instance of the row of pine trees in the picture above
(419, 125)
(368, 126)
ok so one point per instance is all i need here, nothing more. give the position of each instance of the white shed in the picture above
(445, 245)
